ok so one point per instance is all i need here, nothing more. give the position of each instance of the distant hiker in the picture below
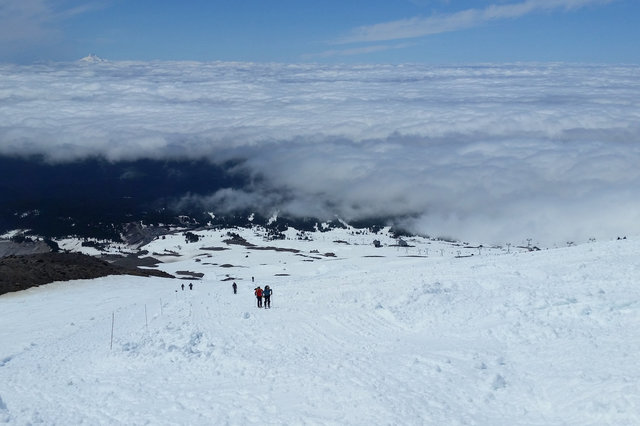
(190, 286)
(267, 297)
(235, 288)
(182, 287)
(252, 279)
(258, 293)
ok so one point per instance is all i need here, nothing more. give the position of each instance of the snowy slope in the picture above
(357, 335)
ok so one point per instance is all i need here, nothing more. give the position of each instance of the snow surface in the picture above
(357, 335)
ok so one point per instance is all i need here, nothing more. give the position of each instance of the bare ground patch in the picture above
(22, 272)
(191, 274)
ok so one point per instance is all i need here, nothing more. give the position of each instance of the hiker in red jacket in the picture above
(258, 293)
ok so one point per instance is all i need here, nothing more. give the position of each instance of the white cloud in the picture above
(441, 23)
(491, 153)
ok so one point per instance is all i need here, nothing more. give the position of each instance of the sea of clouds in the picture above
(485, 153)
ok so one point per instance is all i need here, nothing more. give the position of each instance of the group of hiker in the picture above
(263, 296)
(260, 295)
(266, 294)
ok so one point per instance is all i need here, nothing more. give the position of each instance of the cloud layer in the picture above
(483, 153)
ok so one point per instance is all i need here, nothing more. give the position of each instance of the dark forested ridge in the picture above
(94, 197)
(97, 198)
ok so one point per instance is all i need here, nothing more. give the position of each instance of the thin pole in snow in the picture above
(113, 317)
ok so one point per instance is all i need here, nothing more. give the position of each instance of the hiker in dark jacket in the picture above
(258, 293)
(267, 296)
(235, 288)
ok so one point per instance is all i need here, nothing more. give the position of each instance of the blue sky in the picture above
(330, 31)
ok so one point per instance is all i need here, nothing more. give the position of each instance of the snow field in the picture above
(540, 338)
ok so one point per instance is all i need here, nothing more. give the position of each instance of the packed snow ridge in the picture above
(425, 332)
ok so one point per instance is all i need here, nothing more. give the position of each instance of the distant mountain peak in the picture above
(91, 58)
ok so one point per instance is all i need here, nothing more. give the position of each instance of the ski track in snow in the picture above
(540, 338)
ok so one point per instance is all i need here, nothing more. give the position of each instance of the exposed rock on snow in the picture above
(25, 271)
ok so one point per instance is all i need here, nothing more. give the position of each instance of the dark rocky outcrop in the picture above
(13, 248)
(25, 271)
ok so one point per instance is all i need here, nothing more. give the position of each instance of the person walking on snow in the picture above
(258, 294)
(267, 297)
(235, 288)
